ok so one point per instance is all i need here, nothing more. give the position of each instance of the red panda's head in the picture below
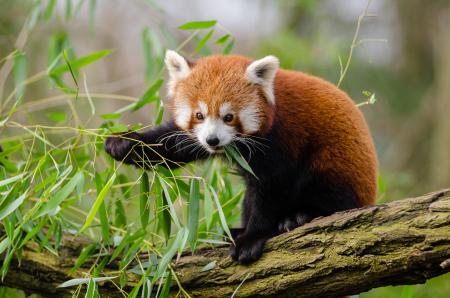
(219, 99)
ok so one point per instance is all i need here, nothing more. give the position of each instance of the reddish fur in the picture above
(316, 111)
(219, 79)
(309, 110)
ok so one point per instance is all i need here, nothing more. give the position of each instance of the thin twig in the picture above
(354, 43)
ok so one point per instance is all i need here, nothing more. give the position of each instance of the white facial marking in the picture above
(183, 112)
(224, 109)
(262, 72)
(249, 118)
(214, 127)
(203, 108)
(178, 69)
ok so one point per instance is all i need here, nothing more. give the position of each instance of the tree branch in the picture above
(403, 242)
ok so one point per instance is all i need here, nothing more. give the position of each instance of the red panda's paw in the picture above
(292, 222)
(235, 232)
(247, 248)
(120, 145)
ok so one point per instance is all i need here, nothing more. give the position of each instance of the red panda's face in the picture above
(221, 99)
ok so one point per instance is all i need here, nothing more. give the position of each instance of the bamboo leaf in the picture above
(61, 195)
(92, 6)
(131, 252)
(222, 217)
(194, 198)
(167, 284)
(7, 261)
(135, 291)
(98, 201)
(4, 244)
(49, 9)
(172, 211)
(213, 241)
(111, 116)
(208, 207)
(235, 155)
(37, 228)
(11, 207)
(159, 115)
(100, 266)
(91, 291)
(84, 255)
(209, 266)
(20, 74)
(147, 289)
(11, 180)
(118, 127)
(201, 44)
(144, 200)
(168, 256)
(53, 63)
(120, 218)
(57, 116)
(104, 222)
(62, 177)
(126, 241)
(153, 52)
(228, 48)
(80, 281)
(71, 71)
(8, 165)
(79, 63)
(198, 25)
(68, 9)
(223, 39)
(149, 96)
(162, 209)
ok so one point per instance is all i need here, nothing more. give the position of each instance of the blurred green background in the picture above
(402, 55)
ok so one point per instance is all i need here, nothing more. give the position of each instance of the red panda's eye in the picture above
(199, 116)
(228, 118)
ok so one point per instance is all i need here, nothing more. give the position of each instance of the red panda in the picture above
(304, 139)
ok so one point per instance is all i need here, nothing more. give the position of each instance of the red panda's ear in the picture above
(178, 67)
(262, 72)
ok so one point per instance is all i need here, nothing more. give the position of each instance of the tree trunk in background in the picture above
(424, 54)
(415, 19)
(440, 138)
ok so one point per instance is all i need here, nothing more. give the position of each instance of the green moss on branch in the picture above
(403, 242)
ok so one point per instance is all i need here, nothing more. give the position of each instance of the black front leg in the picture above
(260, 225)
(166, 145)
(249, 198)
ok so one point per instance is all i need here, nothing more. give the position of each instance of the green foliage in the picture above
(144, 201)
(233, 154)
(20, 74)
(98, 202)
(436, 287)
(57, 179)
(194, 210)
(198, 25)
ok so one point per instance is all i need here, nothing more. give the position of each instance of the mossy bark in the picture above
(403, 242)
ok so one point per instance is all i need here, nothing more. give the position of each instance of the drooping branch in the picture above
(403, 242)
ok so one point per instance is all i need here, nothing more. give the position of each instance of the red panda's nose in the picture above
(212, 140)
